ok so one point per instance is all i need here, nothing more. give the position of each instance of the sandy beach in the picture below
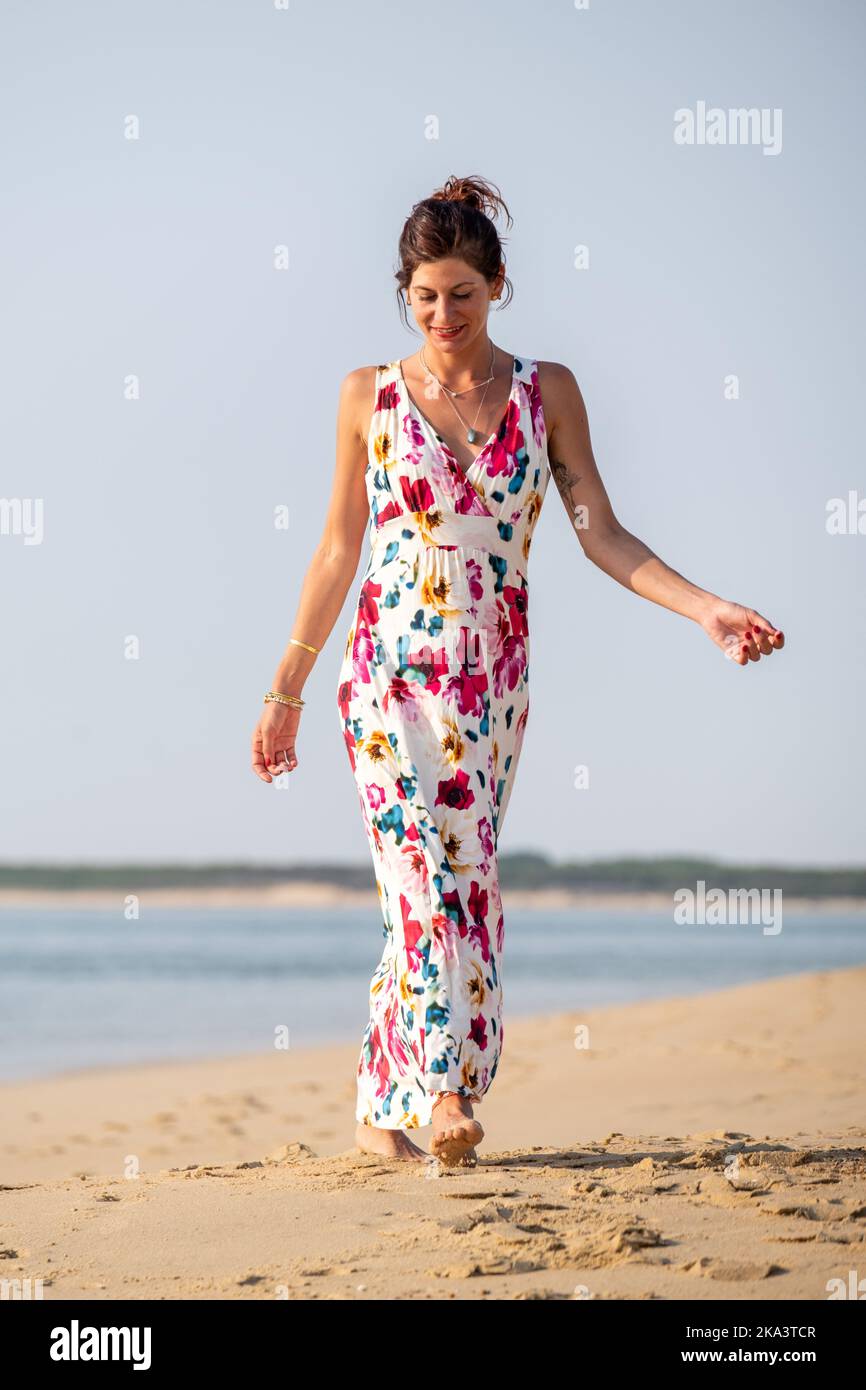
(697, 1148)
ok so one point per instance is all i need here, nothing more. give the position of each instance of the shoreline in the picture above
(326, 895)
(695, 1147)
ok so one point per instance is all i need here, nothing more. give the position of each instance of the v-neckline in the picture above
(422, 419)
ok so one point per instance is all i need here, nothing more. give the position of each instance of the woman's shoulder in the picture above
(553, 375)
(559, 390)
(361, 379)
(360, 387)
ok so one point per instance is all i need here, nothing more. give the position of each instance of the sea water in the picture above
(82, 988)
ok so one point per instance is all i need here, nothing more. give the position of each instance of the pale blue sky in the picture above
(307, 127)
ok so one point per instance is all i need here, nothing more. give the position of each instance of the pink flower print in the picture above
(497, 624)
(473, 574)
(478, 927)
(413, 432)
(417, 494)
(349, 740)
(501, 460)
(445, 935)
(469, 690)
(375, 796)
(362, 653)
(378, 1065)
(510, 665)
(485, 835)
(478, 1032)
(454, 908)
(430, 666)
(413, 932)
(536, 410)
(478, 935)
(344, 695)
(396, 1046)
(367, 605)
(440, 472)
(500, 937)
(518, 603)
(455, 792)
(466, 500)
(413, 870)
(387, 513)
(478, 902)
(387, 397)
(378, 842)
(405, 695)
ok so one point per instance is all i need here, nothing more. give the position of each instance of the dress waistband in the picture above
(465, 531)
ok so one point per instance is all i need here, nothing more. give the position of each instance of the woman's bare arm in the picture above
(330, 572)
(742, 633)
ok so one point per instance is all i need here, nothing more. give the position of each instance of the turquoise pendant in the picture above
(471, 436)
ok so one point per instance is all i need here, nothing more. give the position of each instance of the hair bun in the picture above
(476, 192)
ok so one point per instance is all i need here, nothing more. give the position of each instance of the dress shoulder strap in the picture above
(524, 367)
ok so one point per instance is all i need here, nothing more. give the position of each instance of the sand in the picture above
(711, 1147)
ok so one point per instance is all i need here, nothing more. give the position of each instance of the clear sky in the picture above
(308, 126)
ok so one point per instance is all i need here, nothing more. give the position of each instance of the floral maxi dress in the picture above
(433, 697)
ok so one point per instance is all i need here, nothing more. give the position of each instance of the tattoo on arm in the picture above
(565, 481)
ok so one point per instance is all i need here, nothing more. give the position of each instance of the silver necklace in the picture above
(472, 435)
(466, 389)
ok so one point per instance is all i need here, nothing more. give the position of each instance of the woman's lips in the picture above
(450, 332)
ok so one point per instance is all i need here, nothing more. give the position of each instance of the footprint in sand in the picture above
(229, 1123)
(253, 1103)
(730, 1271)
(295, 1152)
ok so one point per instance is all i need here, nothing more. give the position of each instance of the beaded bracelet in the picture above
(277, 696)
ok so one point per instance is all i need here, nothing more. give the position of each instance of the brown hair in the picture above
(453, 221)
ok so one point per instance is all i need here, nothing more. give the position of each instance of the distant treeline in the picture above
(517, 870)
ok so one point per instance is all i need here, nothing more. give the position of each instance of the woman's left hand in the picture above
(742, 634)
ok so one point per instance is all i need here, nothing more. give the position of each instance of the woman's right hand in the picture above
(274, 741)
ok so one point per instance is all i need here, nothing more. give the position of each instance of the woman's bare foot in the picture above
(455, 1132)
(387, 1143)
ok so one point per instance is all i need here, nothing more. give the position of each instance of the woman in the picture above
(446, 455)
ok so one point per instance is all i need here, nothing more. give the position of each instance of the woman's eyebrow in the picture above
(454, 287)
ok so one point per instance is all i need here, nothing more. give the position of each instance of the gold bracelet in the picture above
(305, 645)
(279, 698)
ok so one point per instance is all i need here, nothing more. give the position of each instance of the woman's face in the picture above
(451, 301)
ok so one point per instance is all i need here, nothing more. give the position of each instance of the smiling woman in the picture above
(433, 688)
